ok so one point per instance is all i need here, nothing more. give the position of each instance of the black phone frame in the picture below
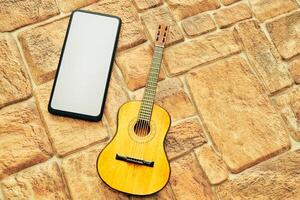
(78, 115)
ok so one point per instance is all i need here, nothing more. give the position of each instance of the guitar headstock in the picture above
(161, 35)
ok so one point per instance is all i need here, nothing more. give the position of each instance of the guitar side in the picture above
(125, 175)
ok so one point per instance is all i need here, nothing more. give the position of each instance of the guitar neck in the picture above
(150, 89)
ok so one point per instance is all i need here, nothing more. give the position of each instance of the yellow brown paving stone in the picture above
(285, 35)
(82, 178)
(198, 24)
(18, 13)
(288, 104)
(185, 8)
(294, 68)
(70, 5)
(146, 4)
(132, 32)
(183, 137)
(212, 164)
(265, 9)
(274, 179)
(135, 65)
(188, 181)
(228, 16)
(116, 96)
(42, 46)
(263, 56)
(43, 181)
(185, 56)
(241, 120)
(14, 80)
(23, 138)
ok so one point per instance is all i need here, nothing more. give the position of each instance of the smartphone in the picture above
(82, 77)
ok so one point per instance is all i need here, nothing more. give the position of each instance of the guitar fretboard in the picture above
(150, 89)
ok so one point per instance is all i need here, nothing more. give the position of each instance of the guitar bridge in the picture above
(135, 160)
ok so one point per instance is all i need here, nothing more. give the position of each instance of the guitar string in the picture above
(160, 60)
(152, 83)
(143, 127)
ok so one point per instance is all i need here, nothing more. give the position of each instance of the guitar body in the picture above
(132, 163)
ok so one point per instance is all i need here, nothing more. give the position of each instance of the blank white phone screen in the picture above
(85, 64)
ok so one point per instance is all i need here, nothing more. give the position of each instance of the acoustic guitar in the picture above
(135, 161)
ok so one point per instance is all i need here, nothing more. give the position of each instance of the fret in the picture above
(152, 82)
(150, 89)
(149, 103)
(149, 99)
(145, 111)
(153, 76)
(145, 114)
(157, 55)
(144, 118)
(158, 63)
(147, 107)
(148, 95)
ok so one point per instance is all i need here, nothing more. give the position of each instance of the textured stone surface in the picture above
(263, 56)
(265, 9)
(135, 65)
(276, 179)
(231, 15)
(294, 68)
(228, 2)
(188, 180)
(165, 194)
(171, 96)
(213, 166)
(40, 182)
(145, 4)
(285, 34)
(14, 81)
(185, 56)
(67, 135)
(185, 8)
(18, 13)
(198, 24)
(131, 31)
(235, 122)
(42, 46)
(288, 104)
(70, 5)
(82, 178)
(241, 120)
(153, 17)
(116, 96)
(23, 139)
(183, 137)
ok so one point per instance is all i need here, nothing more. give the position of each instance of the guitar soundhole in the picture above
(142, 128)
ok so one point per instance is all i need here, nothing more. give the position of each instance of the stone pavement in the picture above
(229, 81)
